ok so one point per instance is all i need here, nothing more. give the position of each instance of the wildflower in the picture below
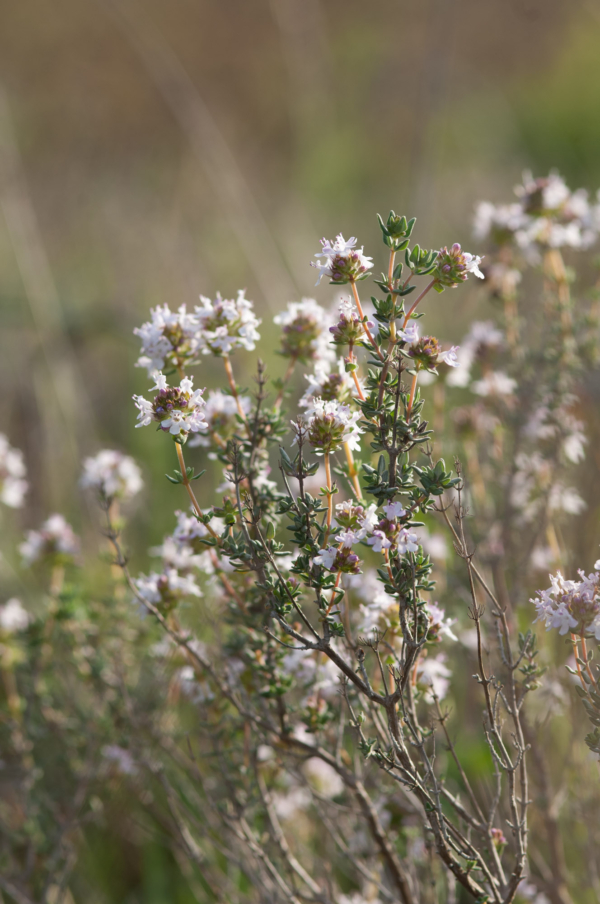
(120, 758)
(170, 338)
(498, 222)
(167, 589)
(304, 331)
(178, 411)
(333, 559)
(498, 838)
(112, 474)
(342, 262)
(13, 617)
(54, 540)
(439, 625)
(327, 385)
(221, 416)
(453, 267)
(379, 541)
(355, 518)
(332, 424)
(570, 606)
(427, 353)
(394, 510)
(227, 324)
(407, 541)
(349, 330)
(13, 486)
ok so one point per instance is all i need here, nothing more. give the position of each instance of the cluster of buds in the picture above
(452, 266)
(304, 332)
(177, 410)
(55, 542)
(227, 324)
(342, 262)
(331, 425)
(349, 330)
(112, 474)
(170, 338)
(13, 485)
(570, 606)
(426, 351)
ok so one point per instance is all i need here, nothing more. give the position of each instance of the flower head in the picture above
(170, 338)
(326, 384)
(332, 424)
(55, 541)
(227, 324)
(426, 351)
(349, 330)
(334, 559)
(112, 474)
(304, 331)
(570, 606)
(177, 410)
(407, 541)
(453, 267)
(342, 262)
(13, 485)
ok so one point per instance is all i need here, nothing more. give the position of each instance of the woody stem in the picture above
(420, 298)
(362, 317)
(233, 387)
(329, 495)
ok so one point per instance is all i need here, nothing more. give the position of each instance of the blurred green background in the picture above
(152, 151)
(156, 150)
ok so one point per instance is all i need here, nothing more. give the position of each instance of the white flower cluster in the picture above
(570, 606)
(170, 338)
(328, 384)
(55, 539)
(178, 411)
(176, 338)
(331, 424)
(227, 324)
(13, 617)
(112, 474)
(341, 261)
(548, 214)
(13, 485)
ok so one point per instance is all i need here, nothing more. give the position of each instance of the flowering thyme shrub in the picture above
(346, 711)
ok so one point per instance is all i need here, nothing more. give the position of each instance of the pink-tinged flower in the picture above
(170, 338)
(355, 519)
(342, 262)
(379, 541)
(394, 510)
(226, 324)
(434, 676)
(222, 419)
(439, 625)
(327, 385)
(331, 425)
(305, 336)
(407, 541)
(454, 266)
(334, 559)
(177, 410)
(55, 541)
(112, 474)
(496, 383)
(13, 485)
